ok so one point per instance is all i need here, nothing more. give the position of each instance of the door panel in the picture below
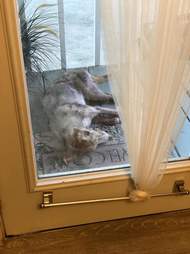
(21, 190)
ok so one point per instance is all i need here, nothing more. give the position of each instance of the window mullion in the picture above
(97, 32)
(60, 4)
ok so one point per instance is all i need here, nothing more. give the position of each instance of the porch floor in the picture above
(110, 155)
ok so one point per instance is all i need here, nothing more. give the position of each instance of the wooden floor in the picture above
(167, 233)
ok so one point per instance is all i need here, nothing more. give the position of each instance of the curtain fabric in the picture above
(147, 48)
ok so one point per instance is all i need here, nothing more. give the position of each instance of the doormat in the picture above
(110, 155)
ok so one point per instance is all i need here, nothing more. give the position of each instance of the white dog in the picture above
(70, 117)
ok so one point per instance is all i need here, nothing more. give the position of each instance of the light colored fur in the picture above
(70, 117)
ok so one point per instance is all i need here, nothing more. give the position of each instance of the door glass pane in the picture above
(79, 32)
(76, 127)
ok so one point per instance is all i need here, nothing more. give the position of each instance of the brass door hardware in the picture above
(178, 190)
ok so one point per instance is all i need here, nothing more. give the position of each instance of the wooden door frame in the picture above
(15, 68)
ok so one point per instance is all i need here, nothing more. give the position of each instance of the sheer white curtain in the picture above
(147, 46)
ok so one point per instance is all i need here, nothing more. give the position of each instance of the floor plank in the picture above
(167, 233)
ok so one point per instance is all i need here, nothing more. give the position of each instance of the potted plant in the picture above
(38, 35)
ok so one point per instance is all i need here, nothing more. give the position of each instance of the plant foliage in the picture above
(38, 35)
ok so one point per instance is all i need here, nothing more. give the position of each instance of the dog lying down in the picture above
(67, 105)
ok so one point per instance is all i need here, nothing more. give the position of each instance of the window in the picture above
(76, 128)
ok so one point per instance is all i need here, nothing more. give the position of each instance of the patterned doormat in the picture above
(112, 154)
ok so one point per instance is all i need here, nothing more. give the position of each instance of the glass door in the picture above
(62, 137)
(76, 127)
